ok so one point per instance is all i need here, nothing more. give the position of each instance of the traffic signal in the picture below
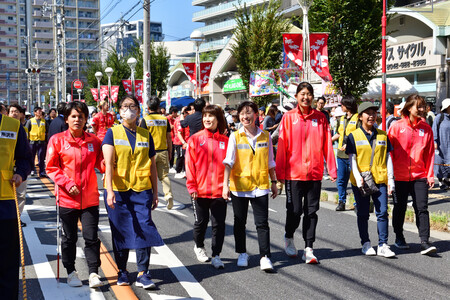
(32, 70)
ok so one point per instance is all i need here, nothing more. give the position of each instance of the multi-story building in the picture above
(81, 39)
(122, 35)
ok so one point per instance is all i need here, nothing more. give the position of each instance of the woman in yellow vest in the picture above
(368, 149)
(248, 163)
(131, 192)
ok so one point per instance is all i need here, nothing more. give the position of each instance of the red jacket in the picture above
(101, 123)
(204, 167)
(413, 153)
(71, 162)
(304, 142)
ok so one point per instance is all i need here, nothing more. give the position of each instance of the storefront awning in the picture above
(395, 88)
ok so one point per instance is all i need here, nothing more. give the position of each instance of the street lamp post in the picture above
(132, 64)
(383, 67)
(197, 37)
(109, 71)
(99, 76)
(79, 94)
(305, 5)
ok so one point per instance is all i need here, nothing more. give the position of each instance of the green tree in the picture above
(354, 43)
(159, 65)
(259, 40)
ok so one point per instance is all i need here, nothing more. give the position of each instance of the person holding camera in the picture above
(372, 175)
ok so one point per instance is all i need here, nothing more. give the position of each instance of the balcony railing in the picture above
(222, 8)
(43, 35)
(217, 27)
(43, 24)
(213, 45)
(44, 46)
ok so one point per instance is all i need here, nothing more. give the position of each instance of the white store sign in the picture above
(411, 56)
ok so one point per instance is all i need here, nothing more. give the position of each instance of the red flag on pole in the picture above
(293, 47)
(114, 93)
(95, 94)
(138, 89)
(103, 92)
(190, 68)
(205, 70)
(319, 55)
(127, 86)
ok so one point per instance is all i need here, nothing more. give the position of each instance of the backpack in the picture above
(390, 122)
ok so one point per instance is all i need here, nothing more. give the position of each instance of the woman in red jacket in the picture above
(204, 172)
(304, 143)
(72, 156)
(413, 157)
(103, 120)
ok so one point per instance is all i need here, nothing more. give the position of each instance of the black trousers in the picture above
(142, 258)
(179, 163)
(10, 259)
(418, 190)
(40, 148)
(302, 197)
(260, 207)
(202, 208)
(89, 221)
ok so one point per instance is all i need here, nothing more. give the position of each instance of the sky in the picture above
(175, 15)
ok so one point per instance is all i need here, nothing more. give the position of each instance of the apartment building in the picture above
(121, 35)
(82, 38)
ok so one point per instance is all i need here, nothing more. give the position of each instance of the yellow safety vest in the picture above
(364, 153)
(157, 125)
(250, 169)
(132, 169)
(351, 126)
(27, 132)
(9, 130)
(37, 132)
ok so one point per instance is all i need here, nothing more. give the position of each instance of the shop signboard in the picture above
(410, 56)
(233, 85)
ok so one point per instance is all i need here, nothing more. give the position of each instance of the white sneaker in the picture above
(242, 260)
(201, 254)
(73, 280)
(266, 264)
(179, 175)
(94, 280)
(184, 174)
(217, 263)
(289, 247)
(368, 250)
(308, 256)
(384, 250)
(172, 171)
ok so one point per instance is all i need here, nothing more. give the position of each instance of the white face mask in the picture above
(128, 114)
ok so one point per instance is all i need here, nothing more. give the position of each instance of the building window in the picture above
(402, 21)
(10, 18)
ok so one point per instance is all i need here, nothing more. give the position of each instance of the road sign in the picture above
(78, 84)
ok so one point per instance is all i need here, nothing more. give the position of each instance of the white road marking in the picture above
(168, 297)
(272, 210)
(38, 195)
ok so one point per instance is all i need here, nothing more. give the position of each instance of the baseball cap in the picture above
(445, 104)
(365, 106)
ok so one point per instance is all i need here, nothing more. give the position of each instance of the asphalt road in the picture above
(343, 272)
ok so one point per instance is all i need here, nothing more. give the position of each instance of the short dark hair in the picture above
(410, 102)
(153, 103)
(350, 103)
(250, 104)
(390, 107)
(273, 109)
(219, 114)
(131, 98)
(199, 104)
(80, 107)
(52, 109)
(37, 108)
(61, 107)
(18, 107)
(305, 85)
(322, 98)
(173, 109)
(430, 105)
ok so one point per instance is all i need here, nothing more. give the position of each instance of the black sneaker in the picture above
(341, 206)
(427, 248)
(23, 224)
(401, 244)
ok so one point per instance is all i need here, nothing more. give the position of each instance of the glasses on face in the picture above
(131, 106)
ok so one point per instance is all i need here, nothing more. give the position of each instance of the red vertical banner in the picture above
(205, 71)
(127, 86)
(319, 55)
(189, 68)
(95, 94)
(103, 92)
(139, 89)
(293, 47)
(114, 93)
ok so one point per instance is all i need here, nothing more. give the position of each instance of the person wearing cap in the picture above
(361, 143)
(441, 133)
(413, 153)
(345, 126)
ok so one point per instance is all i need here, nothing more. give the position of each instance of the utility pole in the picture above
(38, 84)
(8, 82)
(28, 41)
(63, 51)
(147, 91)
